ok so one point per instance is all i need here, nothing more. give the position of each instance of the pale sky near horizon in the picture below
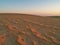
(41, 7)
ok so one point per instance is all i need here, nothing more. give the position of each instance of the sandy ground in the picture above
(22, 29)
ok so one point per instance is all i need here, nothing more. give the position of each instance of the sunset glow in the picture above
(43, 7)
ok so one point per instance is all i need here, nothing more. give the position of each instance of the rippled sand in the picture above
(24, 29)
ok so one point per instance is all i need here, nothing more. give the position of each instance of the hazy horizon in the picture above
(38, 7)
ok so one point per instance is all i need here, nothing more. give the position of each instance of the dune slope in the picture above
(22, 29)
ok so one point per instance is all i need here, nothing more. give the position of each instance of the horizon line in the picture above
(32, 14)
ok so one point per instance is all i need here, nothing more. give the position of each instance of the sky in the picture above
(38, 7)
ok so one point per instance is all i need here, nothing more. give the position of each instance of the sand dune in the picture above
(24, 29)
